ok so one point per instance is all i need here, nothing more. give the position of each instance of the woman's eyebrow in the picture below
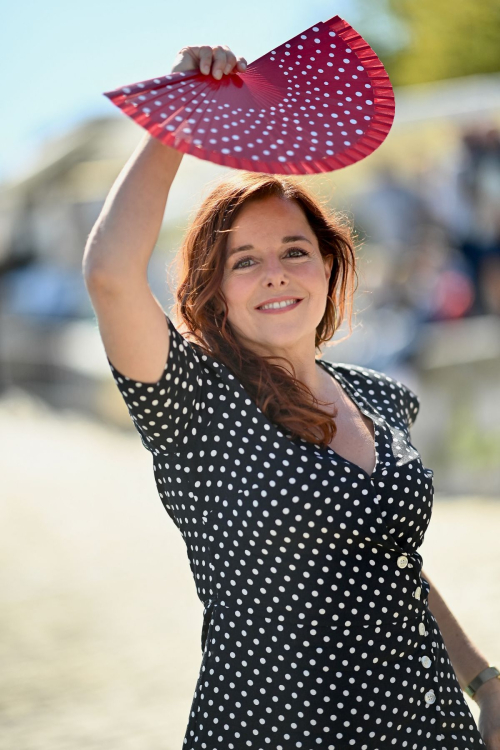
(288, 238)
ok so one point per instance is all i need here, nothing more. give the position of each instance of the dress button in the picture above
(430, 697)
(402, 561)
(426, 662)
(418, 591)
(421, 628)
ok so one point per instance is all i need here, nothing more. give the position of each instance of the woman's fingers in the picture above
(218, 60)
(230, 60)
(205, 53)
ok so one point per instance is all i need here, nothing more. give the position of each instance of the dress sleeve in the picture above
(411, 404)
(168, 414)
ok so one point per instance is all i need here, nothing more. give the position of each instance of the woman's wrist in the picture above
(487, 689)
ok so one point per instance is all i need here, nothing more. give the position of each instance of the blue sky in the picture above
(60, 56)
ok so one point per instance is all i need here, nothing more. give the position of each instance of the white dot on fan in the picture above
(281, 158)
(368, 101)
(359, 132)
(226, 150)
(126, 90)
(254, 157)
(347, 143)
(238, 148)
(290, 153)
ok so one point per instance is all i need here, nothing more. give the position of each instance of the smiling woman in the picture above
(302, 523)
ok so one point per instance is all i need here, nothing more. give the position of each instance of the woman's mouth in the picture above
(290, 305)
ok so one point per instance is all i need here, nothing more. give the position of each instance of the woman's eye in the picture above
(291, 250)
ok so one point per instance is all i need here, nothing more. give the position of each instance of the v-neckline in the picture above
(348, 389)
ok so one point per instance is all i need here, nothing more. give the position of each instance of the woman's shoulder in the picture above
(365, 375)
(387, 392)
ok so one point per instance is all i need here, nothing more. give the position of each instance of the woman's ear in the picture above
(328, 261)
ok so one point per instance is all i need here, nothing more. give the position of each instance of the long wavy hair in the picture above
(202, 310)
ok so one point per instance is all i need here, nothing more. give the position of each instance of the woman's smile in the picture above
(290, 305)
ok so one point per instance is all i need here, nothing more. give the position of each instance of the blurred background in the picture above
(100, 624)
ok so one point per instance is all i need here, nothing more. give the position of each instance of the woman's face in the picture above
(281, 259)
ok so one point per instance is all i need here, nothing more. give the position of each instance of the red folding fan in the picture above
(316, 103)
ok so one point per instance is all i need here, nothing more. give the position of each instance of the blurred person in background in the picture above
(479, 186)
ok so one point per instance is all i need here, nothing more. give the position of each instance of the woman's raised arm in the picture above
(117, 253)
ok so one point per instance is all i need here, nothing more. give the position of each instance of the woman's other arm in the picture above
(465, 657)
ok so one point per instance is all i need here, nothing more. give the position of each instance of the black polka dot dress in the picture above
(316, 630)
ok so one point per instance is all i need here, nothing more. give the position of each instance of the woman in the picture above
(293, 480)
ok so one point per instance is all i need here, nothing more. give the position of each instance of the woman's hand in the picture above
(218, 60)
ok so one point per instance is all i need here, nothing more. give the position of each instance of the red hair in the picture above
(201, 307)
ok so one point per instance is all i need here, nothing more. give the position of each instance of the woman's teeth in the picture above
(275, 305)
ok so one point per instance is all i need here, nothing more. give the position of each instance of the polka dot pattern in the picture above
(316, 628)
(318, 102)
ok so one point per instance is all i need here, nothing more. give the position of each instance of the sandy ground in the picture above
(99, 619)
